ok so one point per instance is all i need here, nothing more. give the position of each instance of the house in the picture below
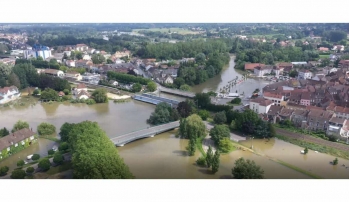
(8, 94)
(273, 113)
(251, 66)
(113, 82)
(304, 74)
(118, 61)
(323, 49)
(83, 94)
(167, 79)
(305, 98)
(260, 105)
(299, 117)
(82, 63)
(80, 87)
(340, 112)
(274, 97)
(338, 48)
(343, 63)
(24, 137)
(261, 71)
(318, 119)
(335, 126)
(68, 53)
(86, 57)
(53, 72)
(120, 54)
(299, 63)
(70, 63)
(81, 47)
(74, 75)
(60, 94)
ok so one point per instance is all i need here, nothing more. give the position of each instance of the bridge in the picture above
(153, 99)
(148, 132)
(177, 92)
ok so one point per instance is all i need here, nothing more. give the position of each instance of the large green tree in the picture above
(247, 170)
(46, 129)
(18, 174)
(215, 162)
(209, 157)
(192, 127)
(184, 109)
(218, 132)
(163, 114)
(220, 118)
(98, 59)
(151, 86)
(49, 94)
(44, 164)
(4, 132)
(20, 125)
(94, 156)
(65, 130)
(100, 95)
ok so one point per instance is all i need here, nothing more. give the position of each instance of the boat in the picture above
(302, 152)
(29, 157)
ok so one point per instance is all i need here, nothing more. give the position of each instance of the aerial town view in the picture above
(174, 101)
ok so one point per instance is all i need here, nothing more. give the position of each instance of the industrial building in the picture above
(36, 51)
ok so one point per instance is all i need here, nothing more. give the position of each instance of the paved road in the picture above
(312, 139)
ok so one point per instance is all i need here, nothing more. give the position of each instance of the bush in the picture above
(58, 158)
(236, 101)
(90, 101)
(66, 91)
(225, 145)
(35, 157)
(332, 138)
(4, 170)
(63, 147)
(65, 98)
(305, 150)
(46, 129)
(204, 114)
(335, 161)
(30, 170)
(44, 164)
(20, 163)
(50, 152)
(18, 174)
(201, 161)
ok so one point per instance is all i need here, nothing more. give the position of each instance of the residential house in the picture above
(68, 53)
(52, 72)
(273, 113)
(81, 47)
(335, 126)
(323, 49)
(305, 99)
(74, 75)
(61, 93)
(10, 142)
(304, 74)
(118, 61)
(86, 57)
(341, 112)
(82, 63)
(8, 94)
(120, 54)
(113, 82)
(338, 48)
(83, 94)
(251, 66)
(261, 71)
(299, 117)
(274, 97)
(319, 119)
(167, 79)
(70, 63)
(260, 105)
(80, 87)
(343, 63)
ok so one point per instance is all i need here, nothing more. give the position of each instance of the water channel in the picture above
(164, 156)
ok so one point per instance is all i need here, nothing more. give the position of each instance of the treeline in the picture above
(94, 156)
(268, 53)
(25, 75)
(127, 78)
(168, 51)
(41, 64)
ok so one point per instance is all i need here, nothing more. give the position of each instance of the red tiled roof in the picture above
(251, 66)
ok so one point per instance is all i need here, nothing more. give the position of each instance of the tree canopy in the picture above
(163, 114)
(192, 127)
(20, 125)
(100, 95)
(247, 170)
(46, 129)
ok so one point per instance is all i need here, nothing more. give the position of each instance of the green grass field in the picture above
(165, 30)
(324, 56)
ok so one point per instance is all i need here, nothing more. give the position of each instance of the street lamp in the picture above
(252, 143)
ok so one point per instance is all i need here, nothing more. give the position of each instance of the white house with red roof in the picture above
(8, 94)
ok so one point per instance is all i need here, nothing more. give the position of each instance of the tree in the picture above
(65, 129)
(200, 58)
(232, 125)
(306, 150)
(219, 132)
(3, 82)
(46, 129)
(63, 147)
(272, 131)
(18, 174)
(225, 145)
(192, 127)
(4, 132)
(50, 152)
(98, 59)
(215, 162)
(35, 157)
(293, 74)
(109, 61)
(184, 109)
(247, 170)
(14, 80)
(236, 101)
(44, 164)
(220, 118)
(136, 87)
(20, 163)
(335, 161)
(100, 95)
(178, 82)
(19, 125)
(163, 114)
(4, 170)
(66, 91)
(184, 87)
(94, 156)
(49, 94)
(29, 170)
(209, 157)
(151, 86)
(77, 54)
(39, 58)
(204, 114)
(191, 147)
(58, 158)
(36, 92)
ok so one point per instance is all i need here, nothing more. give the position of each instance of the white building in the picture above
(260, 71)
(275, 98)
(79, 88)
(304, 74)
(36, 51)
(260, 105)
(8, 94)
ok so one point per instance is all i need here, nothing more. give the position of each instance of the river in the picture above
(164, 156)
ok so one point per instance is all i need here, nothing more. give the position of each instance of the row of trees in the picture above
(126, 78)
(94, 156)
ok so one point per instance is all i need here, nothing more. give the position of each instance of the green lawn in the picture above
(324, 56)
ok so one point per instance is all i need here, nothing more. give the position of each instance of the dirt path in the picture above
(312, 139)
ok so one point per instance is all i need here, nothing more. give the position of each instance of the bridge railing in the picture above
(161, 98)
(135, 137)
